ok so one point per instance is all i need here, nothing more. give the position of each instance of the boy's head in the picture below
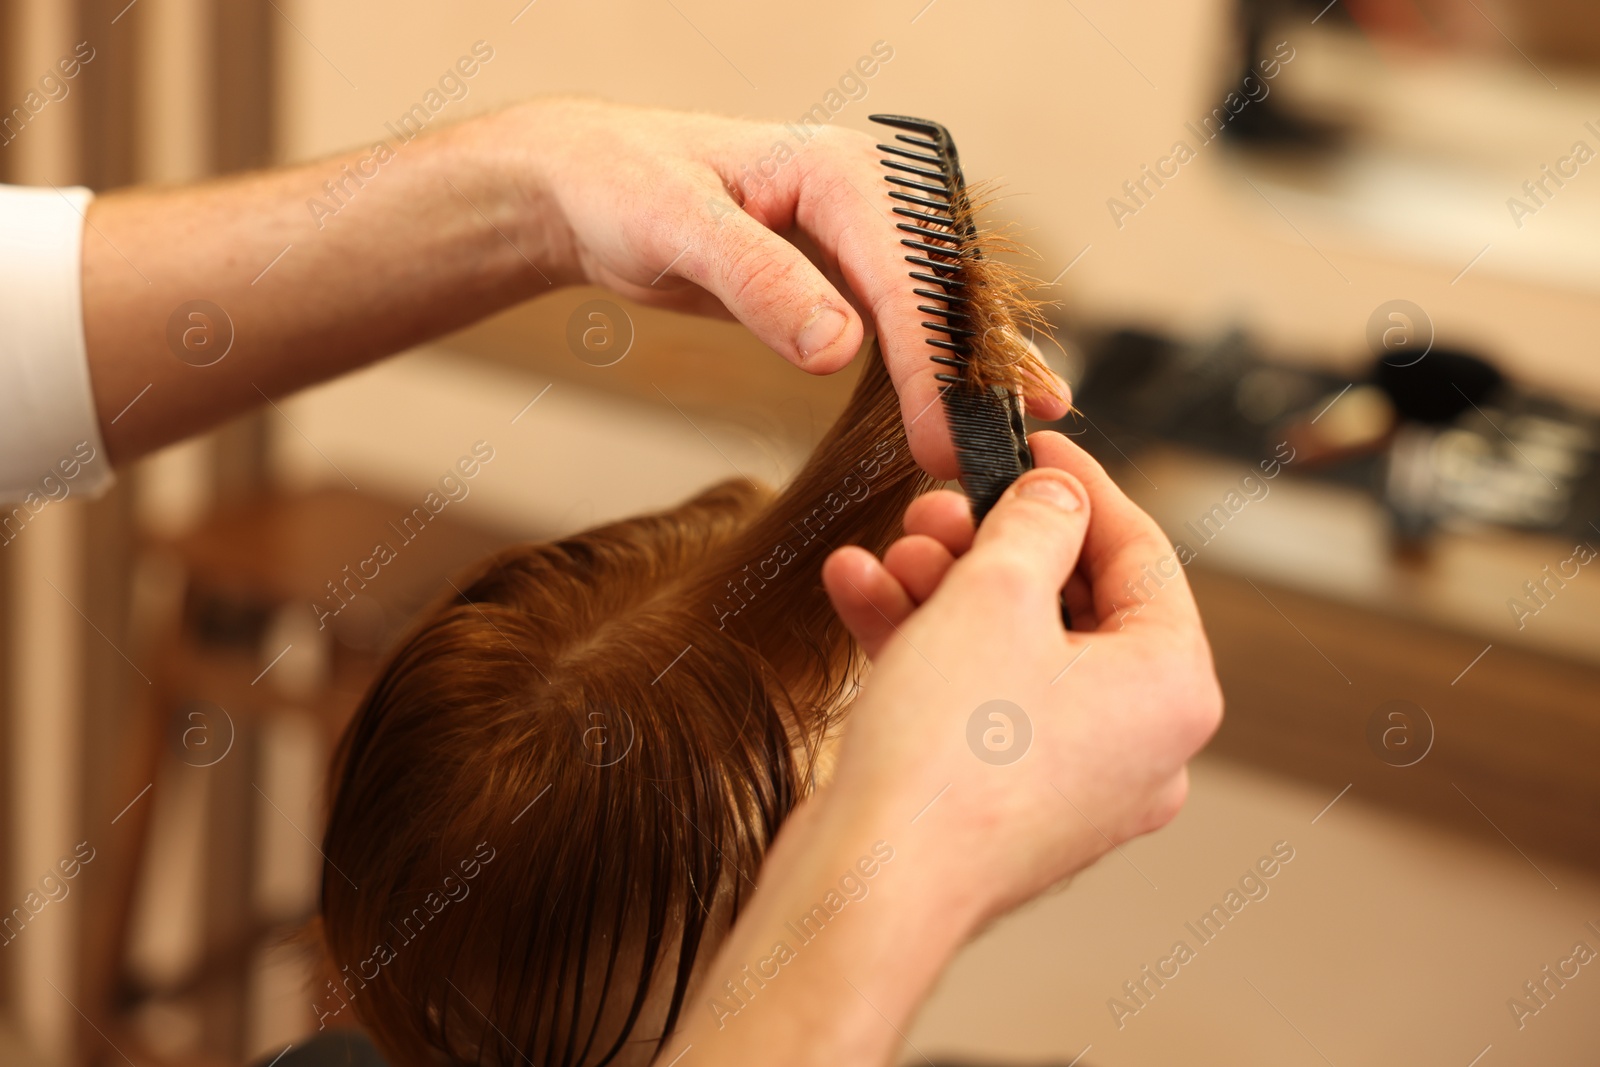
(561, 786)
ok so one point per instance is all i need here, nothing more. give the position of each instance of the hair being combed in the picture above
(1003, 317)
(562, 785)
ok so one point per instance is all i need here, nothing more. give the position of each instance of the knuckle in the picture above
(1181, 691)
(844, 140)
(667, 226)
(836, 158)
(751, 268)
(1201, 713)
(1168, 803)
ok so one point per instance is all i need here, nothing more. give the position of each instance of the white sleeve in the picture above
(50, 445)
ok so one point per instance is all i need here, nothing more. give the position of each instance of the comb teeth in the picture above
(985, 423)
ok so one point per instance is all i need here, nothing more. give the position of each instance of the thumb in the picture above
(770, 286)
(1035, 531)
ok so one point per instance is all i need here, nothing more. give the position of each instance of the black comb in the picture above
(985, 422)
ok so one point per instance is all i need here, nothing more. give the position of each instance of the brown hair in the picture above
(594, 740)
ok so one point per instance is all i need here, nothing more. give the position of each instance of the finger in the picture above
(1048, 407)
(1136, 574)
(1028, 544)
(770, 286)
(833, 190)
(1050, 399)
(689, 299)
(868, 599)
(919, 564)
(1054, 400)
(944, 516)
(1079, 599)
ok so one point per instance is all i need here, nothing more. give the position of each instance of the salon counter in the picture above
(1410, 680)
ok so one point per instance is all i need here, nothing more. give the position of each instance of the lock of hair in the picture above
(981, 312)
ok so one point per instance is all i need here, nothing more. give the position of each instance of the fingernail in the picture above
(821, 330)
(1050, 491)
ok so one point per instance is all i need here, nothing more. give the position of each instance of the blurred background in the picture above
(1326, 280)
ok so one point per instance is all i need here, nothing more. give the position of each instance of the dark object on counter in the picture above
(1439, 387)
(1218, 396)
(1444, 437)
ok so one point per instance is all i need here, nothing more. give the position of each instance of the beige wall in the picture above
(1062, 103)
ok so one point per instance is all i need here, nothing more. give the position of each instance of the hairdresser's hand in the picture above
(1115, 707)
(1105, 718)
(696, 212)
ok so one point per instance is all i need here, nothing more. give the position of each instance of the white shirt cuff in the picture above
(50, 446)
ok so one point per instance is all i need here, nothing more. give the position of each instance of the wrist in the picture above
(911, 866)
(846, 930)
(508, 156)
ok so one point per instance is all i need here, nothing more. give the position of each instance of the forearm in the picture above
(315, 278)
(839, 991)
